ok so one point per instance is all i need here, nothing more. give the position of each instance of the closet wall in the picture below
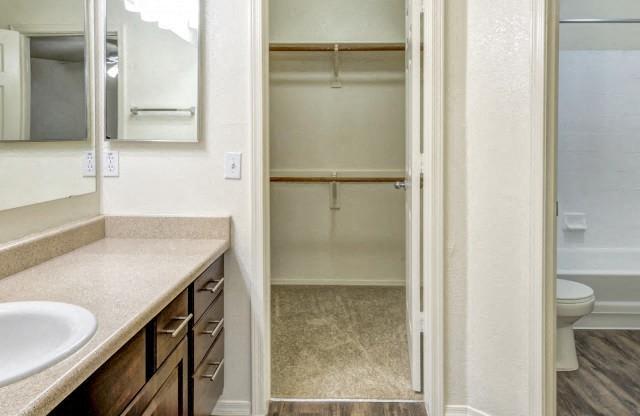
(355, 130)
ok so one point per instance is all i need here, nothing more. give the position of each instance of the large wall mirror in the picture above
(46, 94)
(44, 70)
(151, 74)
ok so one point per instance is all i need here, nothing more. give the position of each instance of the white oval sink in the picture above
(37, 335)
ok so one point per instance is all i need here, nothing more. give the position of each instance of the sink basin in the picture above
(37, 335)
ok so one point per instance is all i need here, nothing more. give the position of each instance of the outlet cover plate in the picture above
(89, 165)
(111, 164)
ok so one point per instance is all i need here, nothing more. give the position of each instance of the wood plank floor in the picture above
(346, 409)
(608, 380)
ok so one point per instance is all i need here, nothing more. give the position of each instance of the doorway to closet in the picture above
(345, 144)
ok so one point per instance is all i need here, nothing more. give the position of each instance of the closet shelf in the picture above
(331, 179)
(337, 47)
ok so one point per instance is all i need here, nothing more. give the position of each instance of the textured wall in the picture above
(498, 190)
(187, 179)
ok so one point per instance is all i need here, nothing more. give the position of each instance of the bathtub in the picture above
(614, 275)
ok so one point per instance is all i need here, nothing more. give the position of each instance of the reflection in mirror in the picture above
(45, 94)
(152, 70)
(43, 74)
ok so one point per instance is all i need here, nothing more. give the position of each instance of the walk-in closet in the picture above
(341, 132)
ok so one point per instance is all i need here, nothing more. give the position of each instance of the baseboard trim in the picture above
(462, 410)
(335, 282)
(232, 408)
(342, 400)
(612, 315)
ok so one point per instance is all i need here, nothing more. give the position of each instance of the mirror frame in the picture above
(102, 59)
(89, 67)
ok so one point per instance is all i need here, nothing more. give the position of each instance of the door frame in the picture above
(433, 211)
(542, 315)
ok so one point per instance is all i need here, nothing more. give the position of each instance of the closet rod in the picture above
(330, 179)
(331, 47)
(600, 20)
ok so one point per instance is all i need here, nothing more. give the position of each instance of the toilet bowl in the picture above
(573, 301)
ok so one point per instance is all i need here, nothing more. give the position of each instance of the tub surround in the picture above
(614, 276)
(125, 281)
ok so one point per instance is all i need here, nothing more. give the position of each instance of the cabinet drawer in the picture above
(207, 329)
(104, 393)
(209, 379)
(207, 287)
(171, 326)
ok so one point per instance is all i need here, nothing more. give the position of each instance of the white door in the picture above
(412, 187)
(10, 86)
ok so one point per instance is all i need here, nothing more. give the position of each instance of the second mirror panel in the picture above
(152, 70)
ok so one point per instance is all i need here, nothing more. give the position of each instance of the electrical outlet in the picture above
(111, 164)
(89, 165)
(232, 165)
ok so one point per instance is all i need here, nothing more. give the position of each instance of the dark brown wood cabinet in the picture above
(172, 367)
(207, 337)
(106, 392)
(166, 393)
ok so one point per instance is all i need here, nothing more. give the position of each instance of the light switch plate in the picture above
(233, 165)
(89, 165)
(111, 164)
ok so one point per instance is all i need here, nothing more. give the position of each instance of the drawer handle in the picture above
(174, 332)
(216, 330)
(212, 377)
(214, 289)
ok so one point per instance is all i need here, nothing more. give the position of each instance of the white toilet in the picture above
(573, 301)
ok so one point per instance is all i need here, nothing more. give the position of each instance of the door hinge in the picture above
(421, 163)
(421, 323)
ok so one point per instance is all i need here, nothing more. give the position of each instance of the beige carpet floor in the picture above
(339, 342)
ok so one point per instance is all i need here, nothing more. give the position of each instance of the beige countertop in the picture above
(124, 282)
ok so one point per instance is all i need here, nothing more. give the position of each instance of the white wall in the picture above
(498, 140)
(187, 179)
(337, 20)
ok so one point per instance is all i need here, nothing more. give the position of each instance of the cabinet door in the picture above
(168, 401)
(165, 394)
(112, 387)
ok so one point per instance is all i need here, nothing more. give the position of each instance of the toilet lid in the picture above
(573, 292)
